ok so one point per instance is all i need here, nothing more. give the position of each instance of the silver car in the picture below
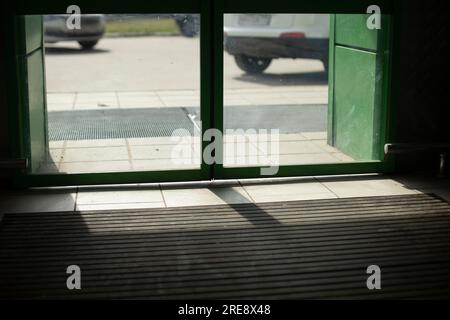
(91, 31)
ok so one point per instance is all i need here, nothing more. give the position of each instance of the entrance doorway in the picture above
(303, 93)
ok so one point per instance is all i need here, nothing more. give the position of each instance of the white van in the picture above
(255, 39)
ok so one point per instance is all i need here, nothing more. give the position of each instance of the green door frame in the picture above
(211, 55)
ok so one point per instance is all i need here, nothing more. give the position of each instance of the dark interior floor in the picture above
(297, 249)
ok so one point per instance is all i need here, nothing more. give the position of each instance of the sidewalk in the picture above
(142, 153)
(156, 153)
(185, 98)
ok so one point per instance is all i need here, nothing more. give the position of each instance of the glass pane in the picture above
(276, 90)
(123, 93)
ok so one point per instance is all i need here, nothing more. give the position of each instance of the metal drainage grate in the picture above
(117, 123)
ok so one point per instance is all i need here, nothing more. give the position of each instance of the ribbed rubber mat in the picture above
(117, 123)
(302, 249)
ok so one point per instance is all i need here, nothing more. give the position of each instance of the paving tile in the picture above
(235, 103)
(364, 186)
(291, 137)
(119, 206)
(160, 140)
(56, 144)
(267, 137)
(272, 192)
(241, 138)
(181, 102)
(96, 143)
(305, 158)
(51, 107)
(95, 154)
(164, 164)
(55, 155)
(98, 105)
(310, 100)
(38, 201)
(136, 95)
(265, 101)
(95, 166)
(320, 135)
(297, 147)
(60, 98)
(174, 93)
(162, 151)
(240, 149)
(323, 144)
(200, 184)
(96, 96)
(98, 196)
(179, 97)
(276, 180)
(262, 160)
(48, 167)
(141, 104)
(175, 197)
(305, 94)
(342, 157)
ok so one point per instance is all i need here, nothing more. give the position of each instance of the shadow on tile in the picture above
(250, 211)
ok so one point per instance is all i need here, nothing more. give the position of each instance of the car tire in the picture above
(88, 45)
(189, 26)
(252, 65)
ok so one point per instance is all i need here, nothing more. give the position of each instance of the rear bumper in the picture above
(92, 28)
(308, 48)
(56, 38)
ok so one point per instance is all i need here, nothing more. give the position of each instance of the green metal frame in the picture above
(211, 55)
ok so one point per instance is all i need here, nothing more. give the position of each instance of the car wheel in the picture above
(252, 65)
(87, 45)
(189, 26)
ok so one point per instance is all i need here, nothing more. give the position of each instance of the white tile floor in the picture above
(109, 155)
(218, 192)
(160, 153)
(151, 154)
(105, 198)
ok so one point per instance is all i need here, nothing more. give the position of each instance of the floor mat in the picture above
(302, 249)
(118, 123)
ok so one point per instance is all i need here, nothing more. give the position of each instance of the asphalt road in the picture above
(159, 63)
(173, 63)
